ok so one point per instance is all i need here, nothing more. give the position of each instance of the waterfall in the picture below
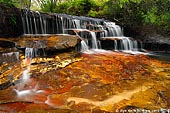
(40, 23)
(57, 24)
(99, 44)
(135, 45)
(24, 25)
(122, 43)
(128, 44)
(94, 40)
(27, 23)
(10, 57)
(115, 45)
(89, 37)
(62, 25)
(35, 24)
(35, 49)
(125, 44)
(84, 46)
(112, 29)
(31, 52)
(25, 76)
(76, 24)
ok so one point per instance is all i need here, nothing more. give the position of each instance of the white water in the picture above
(25, 75)
(124, 44)
(41, 23)
(115, 46)
(8, 56)
(27, 23)
(127, 43)
(25, 80)
(25, 93)
(30, 52)
(113, 30)
(135, 45)
(76, 24)
(84, 46)
(63, 22)
(94, 40)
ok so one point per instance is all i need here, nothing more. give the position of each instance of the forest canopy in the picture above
(132, 12)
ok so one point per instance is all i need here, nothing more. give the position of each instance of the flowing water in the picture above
(84, 46)
(90, 80)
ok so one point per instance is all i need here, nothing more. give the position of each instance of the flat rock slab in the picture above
(58, 42)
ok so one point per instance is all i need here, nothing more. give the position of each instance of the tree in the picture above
(48, 5)
(25, 4)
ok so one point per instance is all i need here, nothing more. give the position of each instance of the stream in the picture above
(80, 65)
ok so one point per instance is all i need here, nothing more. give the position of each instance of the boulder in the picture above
(57, 42)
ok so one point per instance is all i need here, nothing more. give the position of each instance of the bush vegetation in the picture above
(129, 12)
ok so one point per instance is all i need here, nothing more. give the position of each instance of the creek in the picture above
(77, 64)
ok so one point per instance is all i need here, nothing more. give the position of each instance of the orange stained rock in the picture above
(94, 82)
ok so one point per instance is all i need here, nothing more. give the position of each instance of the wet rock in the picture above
(156, 42)
(153, 37)
(5, 85)
(10, 21)
(54, 42)
(7, 44)
(82, 107)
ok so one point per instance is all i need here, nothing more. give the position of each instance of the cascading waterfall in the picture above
(35, 23)
(122, 43)
(11, 56)
(135, 45)
(111, 29)
(127, 43)
(62, 25)
(38, 23)
(36, 49)
(84, 46)
(30, 52)
(41, 23)
(76, 24)
(31, 23)
(115, 45)
(27, 23)
(94, 40)
(10, 66)
(89, 38)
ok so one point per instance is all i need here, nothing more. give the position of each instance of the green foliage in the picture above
(131, 12)
(12, 20)
(62, 7)
(150, 16)
(139, 12)
(79, 7)
(157, 13)
(7, 2)
(48, 5)
(17, 3)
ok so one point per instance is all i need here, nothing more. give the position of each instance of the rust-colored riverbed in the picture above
(98, 82)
